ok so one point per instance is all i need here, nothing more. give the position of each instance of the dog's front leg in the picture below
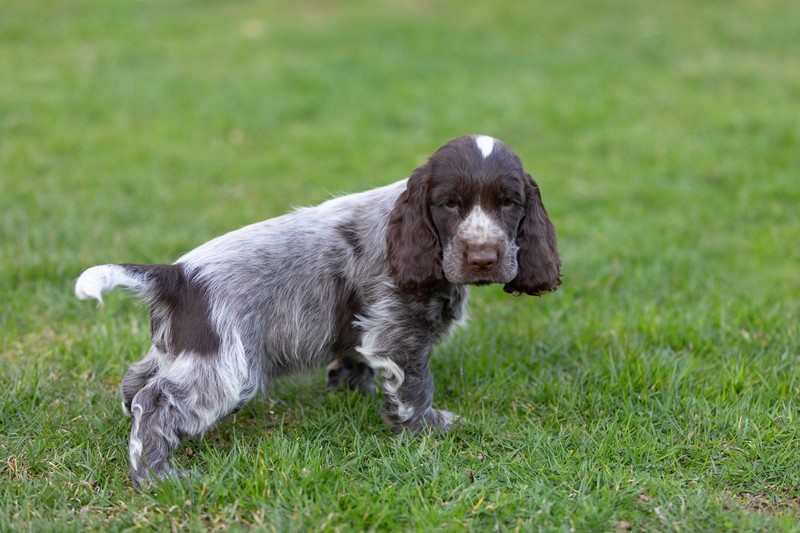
(408, 403)
(347, 373)
(408, 389)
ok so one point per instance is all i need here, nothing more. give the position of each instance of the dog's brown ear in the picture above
(539, 263)
(415, 253)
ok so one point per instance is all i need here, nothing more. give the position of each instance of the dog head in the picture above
(472, 215)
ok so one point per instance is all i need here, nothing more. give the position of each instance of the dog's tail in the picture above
(151, 282)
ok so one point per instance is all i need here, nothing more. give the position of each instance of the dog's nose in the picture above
(482, 257)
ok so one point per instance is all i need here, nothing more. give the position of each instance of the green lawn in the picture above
(658, 389)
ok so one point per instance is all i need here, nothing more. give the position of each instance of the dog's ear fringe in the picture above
(539, 263)
(414, 250)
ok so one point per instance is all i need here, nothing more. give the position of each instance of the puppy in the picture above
(366, 282)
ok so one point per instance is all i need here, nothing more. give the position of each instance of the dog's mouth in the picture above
(481, 276)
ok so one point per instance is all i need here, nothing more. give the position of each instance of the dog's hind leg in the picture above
(181, 401)
(136, 377)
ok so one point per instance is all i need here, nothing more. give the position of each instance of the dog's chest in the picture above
(447, 306)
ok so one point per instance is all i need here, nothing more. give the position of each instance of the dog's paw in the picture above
(443, 420)
(344, 374)
(145, 480)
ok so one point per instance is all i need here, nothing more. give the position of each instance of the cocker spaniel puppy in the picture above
(364, 282)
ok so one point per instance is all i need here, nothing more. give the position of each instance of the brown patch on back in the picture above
(184, 302)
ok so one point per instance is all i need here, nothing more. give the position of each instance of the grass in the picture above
(657, 390)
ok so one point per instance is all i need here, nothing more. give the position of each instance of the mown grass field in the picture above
(658, 389)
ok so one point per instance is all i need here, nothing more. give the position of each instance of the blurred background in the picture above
(664, 136)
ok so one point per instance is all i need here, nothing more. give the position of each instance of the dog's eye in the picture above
(449, 204)
(508, 202)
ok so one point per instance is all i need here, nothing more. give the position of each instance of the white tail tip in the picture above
(99, 279)
(90, 285)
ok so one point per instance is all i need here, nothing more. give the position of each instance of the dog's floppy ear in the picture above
(415, 253)
(539, 263)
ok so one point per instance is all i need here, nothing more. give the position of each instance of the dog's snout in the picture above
(482, 257)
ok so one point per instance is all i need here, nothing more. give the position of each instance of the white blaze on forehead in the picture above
(485, 144)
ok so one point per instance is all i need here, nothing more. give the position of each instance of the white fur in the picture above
(479, 228)
(404, 412)
(228, 375)
(102, 278)
(485, 145)
(135, 445)
(392, 374)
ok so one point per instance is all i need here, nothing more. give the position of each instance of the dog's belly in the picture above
(305, 338)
